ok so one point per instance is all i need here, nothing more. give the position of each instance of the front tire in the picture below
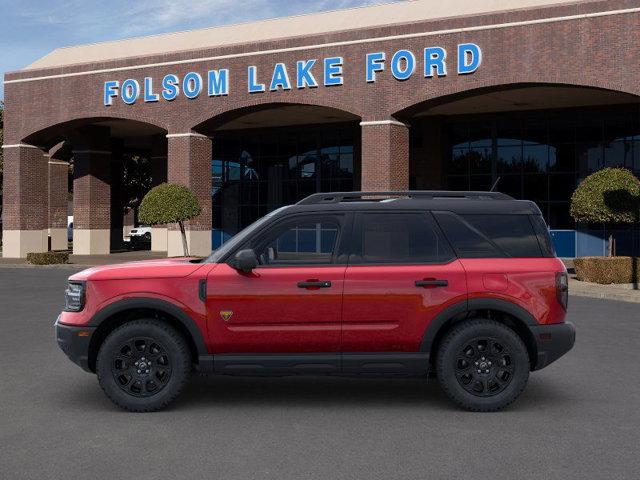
(143, 365)
(482, 365)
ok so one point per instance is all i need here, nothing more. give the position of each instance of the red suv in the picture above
(465, 285)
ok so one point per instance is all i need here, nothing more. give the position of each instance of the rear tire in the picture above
(143, 365)
(482, 365)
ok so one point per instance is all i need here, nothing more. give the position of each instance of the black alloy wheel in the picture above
(482, 365)
(143, 365)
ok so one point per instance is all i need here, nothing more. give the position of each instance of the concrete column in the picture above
(58, 191)
(92, 192)
(159, 175)
(189, 164)
(385, 155)
(24, 202)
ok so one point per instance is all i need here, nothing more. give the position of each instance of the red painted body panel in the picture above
(366, 309)
(106, 285)
(163, 268)
(270, 313)
(531, 284)
(384, 311)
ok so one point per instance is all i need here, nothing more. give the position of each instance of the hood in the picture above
(162, 268)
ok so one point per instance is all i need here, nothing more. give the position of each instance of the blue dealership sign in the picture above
(308, 73)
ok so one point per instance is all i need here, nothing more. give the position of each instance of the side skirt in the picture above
(374, 364)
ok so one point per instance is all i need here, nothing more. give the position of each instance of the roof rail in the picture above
(337, 197)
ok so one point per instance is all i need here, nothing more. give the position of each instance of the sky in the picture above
(29, 29)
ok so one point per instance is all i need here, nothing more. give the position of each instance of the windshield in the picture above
(240, 237)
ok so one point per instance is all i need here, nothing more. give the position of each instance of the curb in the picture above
(604, 292)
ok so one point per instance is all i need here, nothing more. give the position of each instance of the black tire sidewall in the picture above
(455, 340)
(177, 352)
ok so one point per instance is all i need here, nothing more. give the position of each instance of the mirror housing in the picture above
(245, 260)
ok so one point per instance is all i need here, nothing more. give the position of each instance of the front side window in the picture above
(399, 238)
(305, 241)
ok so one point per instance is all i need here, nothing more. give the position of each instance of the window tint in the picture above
(513, 234)
(468, 242)
(306, 241)
(400, 238)
(476, 236)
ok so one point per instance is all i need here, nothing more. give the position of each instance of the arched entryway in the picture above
(91, 172)
(531, 141)
(271, 155)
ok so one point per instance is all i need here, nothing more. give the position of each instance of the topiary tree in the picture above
(169, 203)
(611, 195)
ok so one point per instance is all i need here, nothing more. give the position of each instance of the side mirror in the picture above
(245, 260)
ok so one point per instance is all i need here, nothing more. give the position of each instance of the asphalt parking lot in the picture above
(579, 418)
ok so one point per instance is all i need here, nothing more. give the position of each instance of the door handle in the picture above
(314, 284)
(431, 283)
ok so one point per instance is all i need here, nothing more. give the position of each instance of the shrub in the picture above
(48, 258)
(169, 203)
(606, 270)
(610, 195)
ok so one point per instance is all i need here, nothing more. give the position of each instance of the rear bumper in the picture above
(552, 341)
(74, 342)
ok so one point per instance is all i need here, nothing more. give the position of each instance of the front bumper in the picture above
(74, 342)
(552, 342)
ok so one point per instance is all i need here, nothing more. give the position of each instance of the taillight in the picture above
(562, 289)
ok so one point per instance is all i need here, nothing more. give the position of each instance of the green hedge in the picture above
(606, 270)
(48, 258)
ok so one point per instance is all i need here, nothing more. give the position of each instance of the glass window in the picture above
(307, 241)
(535, 158)
(402, 238)
(467, 241)
(514, 234)
(258, 170)
(509, 159)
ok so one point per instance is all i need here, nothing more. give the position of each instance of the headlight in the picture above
(74, 297)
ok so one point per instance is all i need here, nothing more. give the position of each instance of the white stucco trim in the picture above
(383, 122)
(20, 145)
(189, 134)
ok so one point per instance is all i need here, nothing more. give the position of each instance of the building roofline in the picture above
(275, 29)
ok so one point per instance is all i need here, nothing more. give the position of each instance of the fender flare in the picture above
(156, 304)
(462, 308)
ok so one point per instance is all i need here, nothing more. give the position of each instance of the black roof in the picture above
(452, 201)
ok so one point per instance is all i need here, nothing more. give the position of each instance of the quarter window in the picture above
(490, 236)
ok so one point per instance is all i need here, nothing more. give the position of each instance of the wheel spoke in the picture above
(463, 363)
(484, 367)
(141, 366)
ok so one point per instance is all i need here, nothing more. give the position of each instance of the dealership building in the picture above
(419, 94)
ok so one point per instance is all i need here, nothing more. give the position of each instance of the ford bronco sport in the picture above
(465, 285)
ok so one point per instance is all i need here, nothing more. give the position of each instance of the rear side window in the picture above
(466, 240)
(476, 236)
(399, 238)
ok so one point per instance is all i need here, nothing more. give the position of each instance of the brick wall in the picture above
(600, 51)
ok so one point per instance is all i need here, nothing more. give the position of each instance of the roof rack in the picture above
(337, 197)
